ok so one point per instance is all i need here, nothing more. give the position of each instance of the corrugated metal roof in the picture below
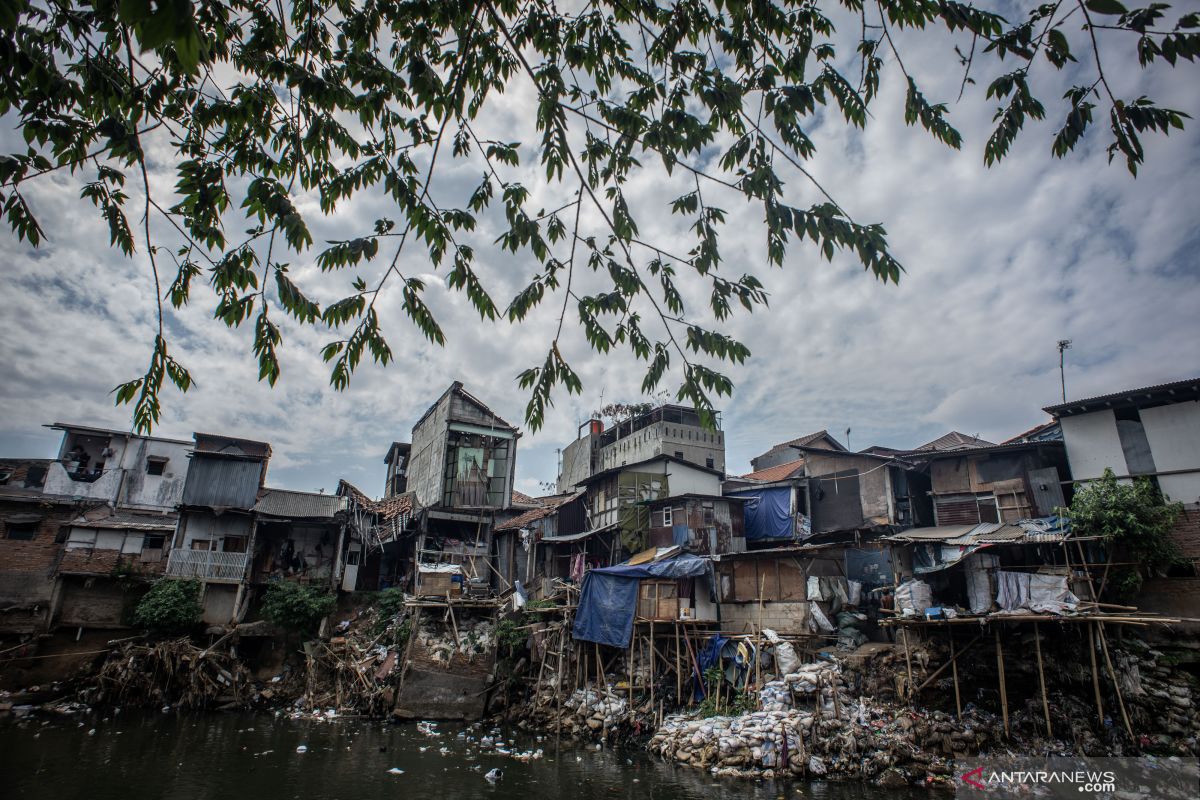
(1186, 388)
(940, 533)
(306, 505)
(127, 521)
(222, 482)
(548, 505)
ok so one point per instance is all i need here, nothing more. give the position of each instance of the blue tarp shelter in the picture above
(768, 513)
(608, 600)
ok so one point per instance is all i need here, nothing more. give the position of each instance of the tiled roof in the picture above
(778, 472)
(307, 505)
(522, 499)
(546, 507)
(953, 441)
(387, 508)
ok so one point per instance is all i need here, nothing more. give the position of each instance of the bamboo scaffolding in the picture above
(1037, 644)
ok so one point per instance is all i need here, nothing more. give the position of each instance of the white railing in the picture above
(207, 564)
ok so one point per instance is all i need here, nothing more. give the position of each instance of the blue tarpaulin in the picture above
(609, 597)
(768, 513)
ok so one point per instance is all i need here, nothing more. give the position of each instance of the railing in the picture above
(207, 564)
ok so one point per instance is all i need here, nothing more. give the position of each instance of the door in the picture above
(350, 573)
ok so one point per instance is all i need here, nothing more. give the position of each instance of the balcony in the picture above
(94, 486)
(208, 565)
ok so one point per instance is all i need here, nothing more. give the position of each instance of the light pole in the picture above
(1063, 346)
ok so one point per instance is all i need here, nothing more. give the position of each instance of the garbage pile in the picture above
(808, 679)
(836, 738)
(467, 639)
(1160, 697)
(173, 673)
(585, 713)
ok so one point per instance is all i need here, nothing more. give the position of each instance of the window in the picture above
(708, 462)
(20, 531)
(709, 513)
(679, 454)
(153, 541)
(155, 466)
(5, 476)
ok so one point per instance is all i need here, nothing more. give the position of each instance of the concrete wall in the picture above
(682, 479)
(666, 438)
(199, 525)
(125, 480)
(1093, 444)
(26, 566)
(576, 463)
(1174, 435)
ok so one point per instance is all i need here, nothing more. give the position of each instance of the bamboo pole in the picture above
(600, 683)
(652, 664)
(954, 672)
(1112, 673)
(758, 635)
(949, 664)
(632, 640)
(1095, 672)
(1000, 670)
(1037, 644)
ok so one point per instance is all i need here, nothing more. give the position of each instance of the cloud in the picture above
(1001, 263)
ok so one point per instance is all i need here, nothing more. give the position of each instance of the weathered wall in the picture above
(27, 566)
(219, 603)
(95, 603)
(576, 463)
(682, 479)
(1093, 443)
(428, 456)
(142, 490)
(1174, 435)
(874, 487)
(1186, 534)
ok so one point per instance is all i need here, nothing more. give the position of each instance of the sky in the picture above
(1001, 263)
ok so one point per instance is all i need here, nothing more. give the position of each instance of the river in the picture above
(260, 756)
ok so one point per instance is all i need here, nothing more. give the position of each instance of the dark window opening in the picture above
(679, 454)
(708, 462)
(155, 466)
(21, 531)
(152, 541)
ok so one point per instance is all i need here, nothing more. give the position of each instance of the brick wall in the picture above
(781, 617)
(20, 558)
(106, 562)
(1186, 533)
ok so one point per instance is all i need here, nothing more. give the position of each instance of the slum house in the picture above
(212, 542)
(785, 452)
(112, 551)
(31, 522)
(668, 430)
(813, 529)
(544, 545)
(461, 469)
(300, 537)
(1151, 432)
(379, 548)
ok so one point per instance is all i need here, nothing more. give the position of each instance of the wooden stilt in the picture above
(1000, 670)
(678, 668)
(1095, 672)
(600, 683)
(908, 690)
(1112, 673)
(758, 635)
(1037, 645)
(632, 641)
(652, 664)
(954, 672)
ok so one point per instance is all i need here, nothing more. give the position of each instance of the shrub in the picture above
(1132, 516)
(170, 606)
(296, 607)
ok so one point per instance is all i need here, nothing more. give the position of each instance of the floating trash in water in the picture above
(493, 775)
(395, 771)
(422, 749)
(302, 749)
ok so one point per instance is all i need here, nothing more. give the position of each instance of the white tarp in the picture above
(979, 568)
(913, 597)
(1026, 591)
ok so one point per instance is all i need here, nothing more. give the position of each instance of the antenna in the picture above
(848, 447)
(1063, 346)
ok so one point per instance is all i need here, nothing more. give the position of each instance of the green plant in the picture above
(171, 606)
(297, 607)
(1134, 517)
(509, 633)
(389, 603)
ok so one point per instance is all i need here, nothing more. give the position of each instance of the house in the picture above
(667, 430)
(299, 536)
(461, 467)
(212, 541)
(31, 524)
(546, 543)
(118, 468)
(704, 524)
(785, 452)
(379, 548)
(618, 498)
(1151, 432)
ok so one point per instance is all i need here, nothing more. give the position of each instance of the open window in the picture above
(156, 465)
(20, 531)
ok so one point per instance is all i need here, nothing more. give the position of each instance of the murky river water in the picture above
(230, 756)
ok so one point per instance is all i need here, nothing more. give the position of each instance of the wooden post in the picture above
(758, 636)
(1000, 670)
(1095, 672)
(652, 664)
(1037, 644)
(954, 671)
(678, 667)
(908, 690)
(632, 639)
(1112, 673)
(600, 684)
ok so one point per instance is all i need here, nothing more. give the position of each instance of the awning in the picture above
(608, 599)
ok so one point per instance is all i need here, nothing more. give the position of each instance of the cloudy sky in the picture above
(1001, 264)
